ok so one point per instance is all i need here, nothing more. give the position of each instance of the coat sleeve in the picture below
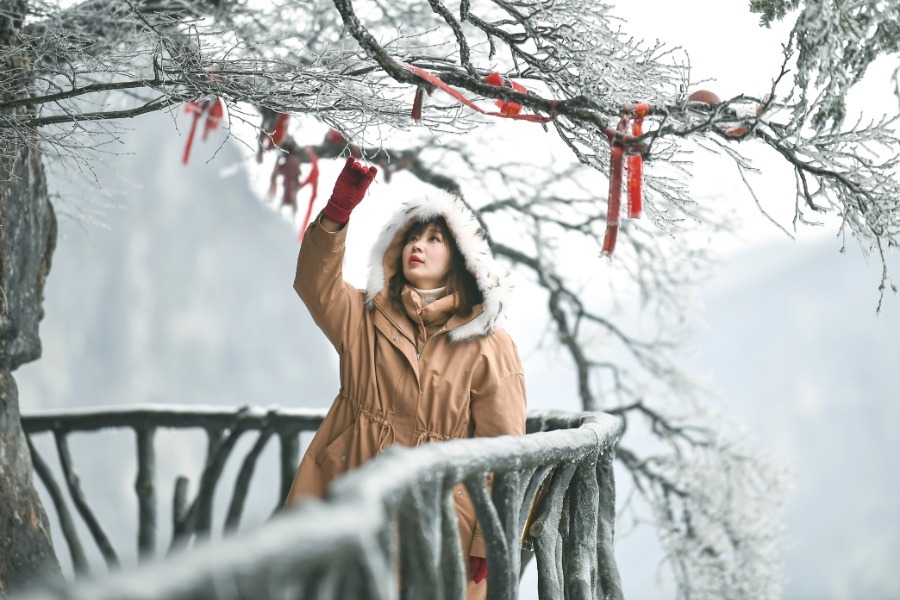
(498, 405)
(335, 305)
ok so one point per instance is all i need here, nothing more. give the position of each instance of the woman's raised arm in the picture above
(335, 306)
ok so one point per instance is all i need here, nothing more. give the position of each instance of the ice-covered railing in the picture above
(393, 515)
(223, 428)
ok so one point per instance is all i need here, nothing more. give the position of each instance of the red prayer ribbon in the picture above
(437, 82)
(636, 165)
(213, 109)
(613, 202)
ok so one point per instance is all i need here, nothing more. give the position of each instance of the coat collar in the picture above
(472, 244)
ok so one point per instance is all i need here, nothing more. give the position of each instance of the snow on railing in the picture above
(390, 521)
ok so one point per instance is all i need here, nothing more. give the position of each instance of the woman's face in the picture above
(426, 259)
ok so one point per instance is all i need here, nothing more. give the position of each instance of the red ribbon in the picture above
(613, 202)
(213, 109)
(636, 165)
(437, 82)
(507, 108)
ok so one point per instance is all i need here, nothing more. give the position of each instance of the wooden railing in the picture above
(391, 520)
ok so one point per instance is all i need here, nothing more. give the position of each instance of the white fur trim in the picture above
(471, 243)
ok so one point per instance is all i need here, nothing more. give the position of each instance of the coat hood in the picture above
(472, 245)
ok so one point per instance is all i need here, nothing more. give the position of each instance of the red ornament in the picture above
(335, 137)
(704, 96)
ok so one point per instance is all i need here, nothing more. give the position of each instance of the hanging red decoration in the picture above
(416, 113)
(437, 82)
(213, 110)
(636, 165)
(613, 202)
(507, 108)
(288, 169)
(335, 137)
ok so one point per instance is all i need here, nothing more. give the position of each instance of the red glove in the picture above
(479, 568)
(349, 190)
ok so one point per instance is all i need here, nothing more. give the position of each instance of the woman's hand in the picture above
(349, 190)
(479, 568)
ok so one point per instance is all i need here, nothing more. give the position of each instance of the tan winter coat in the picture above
(412, 376)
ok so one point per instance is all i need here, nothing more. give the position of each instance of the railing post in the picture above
(145, 488)
(580, 545)
(608, 579)
(290, 460)
(548, 540)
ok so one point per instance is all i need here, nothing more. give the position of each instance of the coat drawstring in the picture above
(386, 433)
(431, 436)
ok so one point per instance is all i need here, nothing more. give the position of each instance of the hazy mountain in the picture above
(794, 345)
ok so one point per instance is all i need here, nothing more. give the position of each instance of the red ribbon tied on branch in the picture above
(507, 108)
(511, 108)
(213, 110)
(619, 142)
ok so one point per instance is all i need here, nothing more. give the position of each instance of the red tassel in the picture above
(417, 104)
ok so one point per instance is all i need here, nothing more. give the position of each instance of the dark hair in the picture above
(459, 280)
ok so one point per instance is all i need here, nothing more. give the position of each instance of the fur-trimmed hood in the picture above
(471, 242)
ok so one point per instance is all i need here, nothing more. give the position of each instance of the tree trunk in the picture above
(27, 240)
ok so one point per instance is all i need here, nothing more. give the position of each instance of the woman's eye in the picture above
(435, 238)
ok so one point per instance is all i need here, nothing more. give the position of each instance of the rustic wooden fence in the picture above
(390, 521)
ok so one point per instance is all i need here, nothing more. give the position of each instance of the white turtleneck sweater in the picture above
(429, 296)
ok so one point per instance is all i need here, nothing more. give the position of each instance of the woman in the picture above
(421, 355)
